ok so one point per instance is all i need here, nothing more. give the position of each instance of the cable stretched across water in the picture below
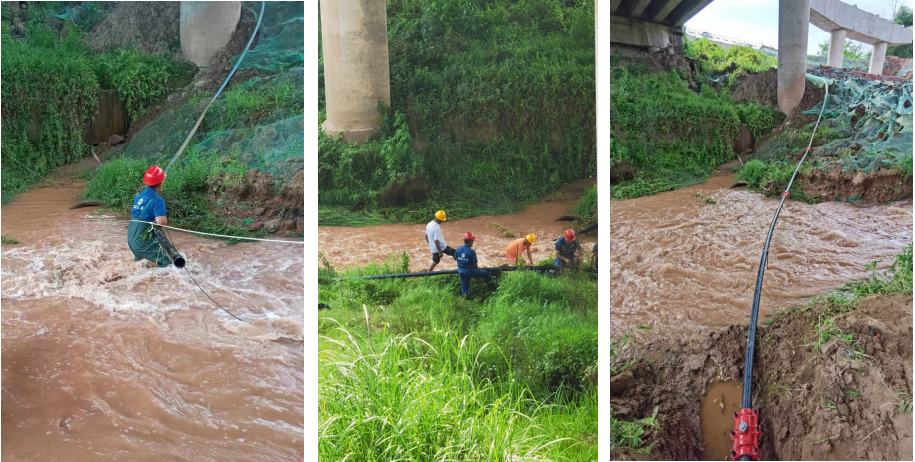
(235, 68)
(751, 338)
(219, 235)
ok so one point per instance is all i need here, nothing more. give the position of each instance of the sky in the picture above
(756, 21)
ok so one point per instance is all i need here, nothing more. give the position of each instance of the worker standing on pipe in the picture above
(150, 207)
(468, 268)
(436, 240)
(517, 247)
(565, 250)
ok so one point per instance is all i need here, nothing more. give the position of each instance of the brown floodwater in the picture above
(354, 247)
(104, 359)
(678, 264)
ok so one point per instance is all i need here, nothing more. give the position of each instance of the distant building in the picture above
(768, 50)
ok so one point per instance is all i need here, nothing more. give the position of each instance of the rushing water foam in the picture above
(104, 358)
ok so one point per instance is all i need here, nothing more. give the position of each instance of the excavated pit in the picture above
(814, 404)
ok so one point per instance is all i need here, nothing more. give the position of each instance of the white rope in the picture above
(218, 235)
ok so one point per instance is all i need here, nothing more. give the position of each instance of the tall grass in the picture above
(412, 371)
(412, 398)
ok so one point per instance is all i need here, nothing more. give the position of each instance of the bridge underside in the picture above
(668, 12)
(652, 25)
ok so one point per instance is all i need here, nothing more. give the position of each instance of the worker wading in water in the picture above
(436, 240)
(148, 206)
(517, 247)
(565, 250)
(468, 268)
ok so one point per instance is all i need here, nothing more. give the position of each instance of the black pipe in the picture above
(747, 402)
(540, 269)
(170, 251)
(443, 273)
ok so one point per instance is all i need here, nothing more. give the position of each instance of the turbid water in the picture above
(677, 263)
(105, 359)
(352, 247)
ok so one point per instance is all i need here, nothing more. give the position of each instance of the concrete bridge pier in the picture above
(877, 58)
(354, 36)
(206, 28)
(793, 19)
(836, 54)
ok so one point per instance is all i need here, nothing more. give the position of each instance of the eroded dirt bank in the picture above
(816, 401)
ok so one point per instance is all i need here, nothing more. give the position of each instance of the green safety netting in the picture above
(872, 120)
(281, 39)
(257, 122)
(867, 125)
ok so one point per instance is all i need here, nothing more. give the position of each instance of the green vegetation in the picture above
(8, 240)
(661, 139)
(505, 232)
(852, 50)
(772, 178)
(49, 92)
(897, 279)
(712, 59)
(492, 106)
(903, 16)
(587, 205)
(410, 370)
(186, 192)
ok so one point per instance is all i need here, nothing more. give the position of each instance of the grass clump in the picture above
(658, 131)
(8, 240)
(49, 91)
(712, 59)
(587, 205)
(492, 106)
(410, 370)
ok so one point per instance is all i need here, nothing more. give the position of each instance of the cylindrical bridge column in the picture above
(877, 58)
(793, 19)
(206, 28)
(354, 36)
(836, 54)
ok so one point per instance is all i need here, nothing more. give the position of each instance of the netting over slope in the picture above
(281, 41)
(259, 122)
(878, 118)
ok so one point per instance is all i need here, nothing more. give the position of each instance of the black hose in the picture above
(751, 337)
(443, 273)
(168, 249)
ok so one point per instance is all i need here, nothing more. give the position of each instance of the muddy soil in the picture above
(814, 404)
(763, 89)
(878, 187)
(153, 27)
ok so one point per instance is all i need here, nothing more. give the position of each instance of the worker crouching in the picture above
(517, 247)
(566, 247)
(467, 265)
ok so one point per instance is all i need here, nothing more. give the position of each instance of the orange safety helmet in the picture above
(469, 236)
(154, 176)
(569, 235)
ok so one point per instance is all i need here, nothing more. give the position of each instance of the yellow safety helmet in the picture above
(440, 215)
(530, 238)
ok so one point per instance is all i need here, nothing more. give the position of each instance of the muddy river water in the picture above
(104, 359)
(675, 262)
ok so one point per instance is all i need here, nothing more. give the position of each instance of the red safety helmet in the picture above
(469, 236)
(154, 176)
(569, 235)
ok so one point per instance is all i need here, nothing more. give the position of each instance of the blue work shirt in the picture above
(148, 205)
(567, 249)
(465, 257)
